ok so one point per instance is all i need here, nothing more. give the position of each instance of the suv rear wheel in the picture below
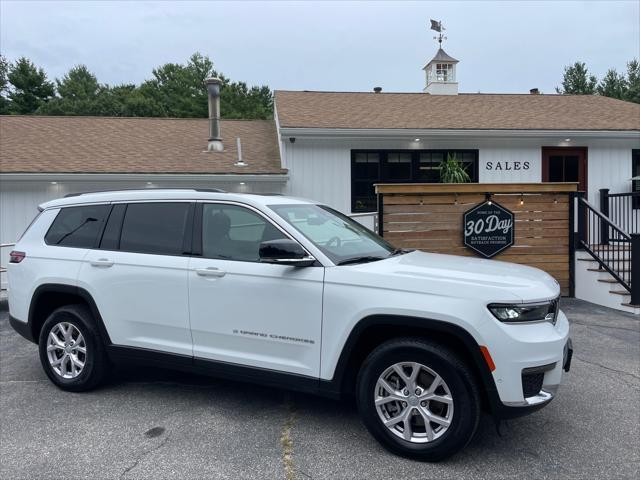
(71, 350)
(418, 399)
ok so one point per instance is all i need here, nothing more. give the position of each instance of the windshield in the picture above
(339, 237)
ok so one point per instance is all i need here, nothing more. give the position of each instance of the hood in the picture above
(451, 275)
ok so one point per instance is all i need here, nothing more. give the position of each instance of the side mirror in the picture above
(285, 252)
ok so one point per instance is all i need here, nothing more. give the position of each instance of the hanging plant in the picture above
(453, 171)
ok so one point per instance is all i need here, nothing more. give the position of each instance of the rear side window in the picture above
(77, 226)
(157, 228)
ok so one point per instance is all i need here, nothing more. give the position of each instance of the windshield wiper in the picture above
(400, 251)
(363, 259)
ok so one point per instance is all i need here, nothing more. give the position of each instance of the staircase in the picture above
(604, 259)
(596, 285)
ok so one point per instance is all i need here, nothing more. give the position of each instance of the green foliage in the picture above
(633, 81)
(179, 89)
(613, 85)
(4, 86)
(78, 93)
(239, 101)
(176, 90)
(578, 81)
(453, 171)
(31, 89)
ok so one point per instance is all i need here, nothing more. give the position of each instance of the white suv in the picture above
(287, 293)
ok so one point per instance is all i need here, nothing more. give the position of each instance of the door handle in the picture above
(210, 272)
(101, 262)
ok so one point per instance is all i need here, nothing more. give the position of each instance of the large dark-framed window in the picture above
(369, 167)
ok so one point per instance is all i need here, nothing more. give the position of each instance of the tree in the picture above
(633, 81)
(577, 80)
(179, 91)
(176, 90)
(239, 101)
(613, 85)
(31, 89)
(78, 93)
(4, 86)
(127, 101)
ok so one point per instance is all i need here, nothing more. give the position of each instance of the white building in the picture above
(328, 146)
(336, 145)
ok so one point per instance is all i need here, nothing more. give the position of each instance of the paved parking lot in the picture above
(156, 424)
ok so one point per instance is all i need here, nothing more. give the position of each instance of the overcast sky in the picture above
(508, 46)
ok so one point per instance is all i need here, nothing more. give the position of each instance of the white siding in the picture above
(321, 169)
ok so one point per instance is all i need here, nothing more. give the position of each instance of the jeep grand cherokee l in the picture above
(288, 293)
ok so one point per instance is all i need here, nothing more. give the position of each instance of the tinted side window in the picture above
(234, 233)
(155, 228)
(111, 236)
(77, 226)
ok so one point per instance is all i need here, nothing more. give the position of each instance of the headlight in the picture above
(523, 312)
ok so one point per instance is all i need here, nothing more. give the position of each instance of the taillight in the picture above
(16, 257)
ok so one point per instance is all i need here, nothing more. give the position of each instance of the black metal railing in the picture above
(623, 209)
(616, 251)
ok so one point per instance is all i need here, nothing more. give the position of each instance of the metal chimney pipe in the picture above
(213, 89)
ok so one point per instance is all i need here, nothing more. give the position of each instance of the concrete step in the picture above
(621, 292)
(635, 309)
(608, 280)
(596, 285)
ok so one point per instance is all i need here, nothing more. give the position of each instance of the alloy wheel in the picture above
(66, 350)
(413, 402)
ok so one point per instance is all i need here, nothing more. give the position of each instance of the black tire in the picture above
(96, 363)
(459, 379)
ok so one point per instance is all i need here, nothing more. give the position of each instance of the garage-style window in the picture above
(400, 166)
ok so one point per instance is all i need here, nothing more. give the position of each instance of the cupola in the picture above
(440, 72)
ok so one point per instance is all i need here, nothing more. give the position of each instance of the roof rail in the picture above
(207, 190)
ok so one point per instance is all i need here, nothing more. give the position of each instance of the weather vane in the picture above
(437, 26)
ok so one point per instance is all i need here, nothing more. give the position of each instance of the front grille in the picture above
(532, 383)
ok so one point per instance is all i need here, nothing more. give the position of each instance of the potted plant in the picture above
(452, 171)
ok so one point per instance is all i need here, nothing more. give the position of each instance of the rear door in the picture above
(138, 276)
(246, 312)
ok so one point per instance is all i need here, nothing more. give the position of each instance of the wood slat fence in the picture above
(429, 217)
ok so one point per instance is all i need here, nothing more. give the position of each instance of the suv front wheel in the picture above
(71, 350)
(418, 399)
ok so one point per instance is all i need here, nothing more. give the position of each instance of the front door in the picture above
(246, 312)
(565, 164)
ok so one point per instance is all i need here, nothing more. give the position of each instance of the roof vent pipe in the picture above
(213, 89)
(240, 162)
(377, 89)
(534, 91)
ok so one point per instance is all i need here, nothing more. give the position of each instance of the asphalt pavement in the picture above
(158, 424)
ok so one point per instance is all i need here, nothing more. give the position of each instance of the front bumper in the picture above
(529, 360)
